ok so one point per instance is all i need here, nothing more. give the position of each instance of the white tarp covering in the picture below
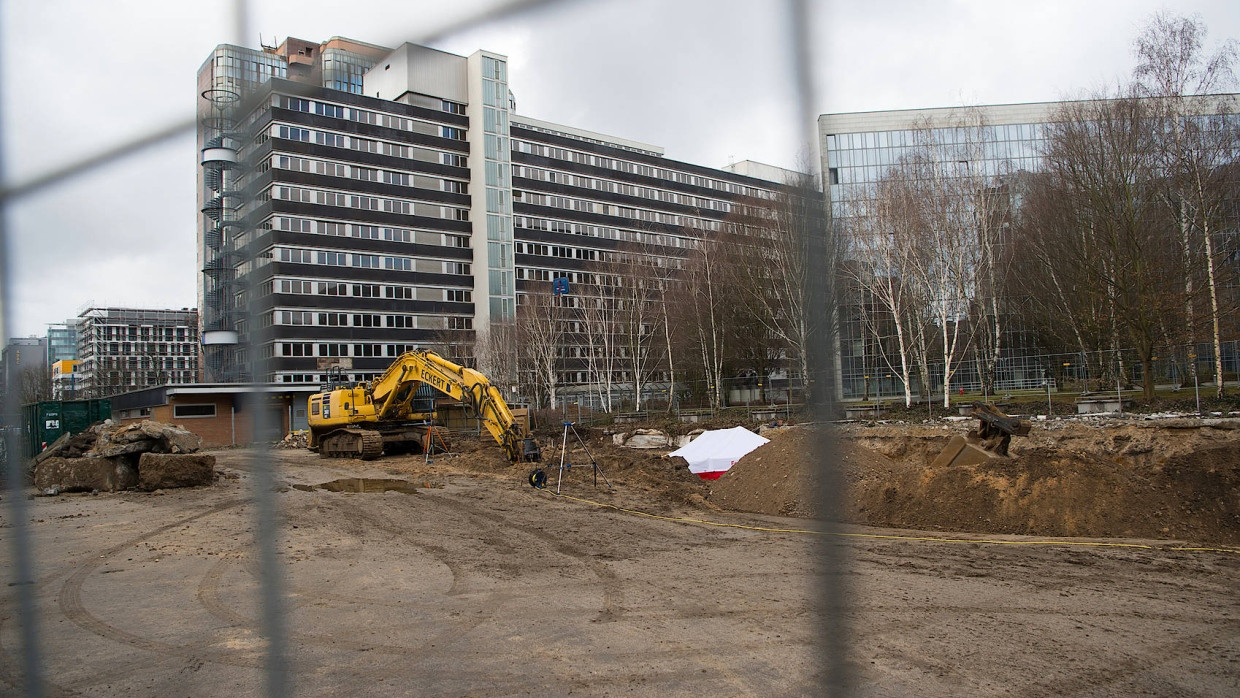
(716, 451)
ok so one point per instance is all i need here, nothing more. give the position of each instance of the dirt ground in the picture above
(465, 581)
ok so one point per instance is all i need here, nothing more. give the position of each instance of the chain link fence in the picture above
(19, 596)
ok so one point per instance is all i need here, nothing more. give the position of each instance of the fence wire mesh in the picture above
(280, 658)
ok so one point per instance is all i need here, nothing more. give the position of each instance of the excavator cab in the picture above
(336, 379)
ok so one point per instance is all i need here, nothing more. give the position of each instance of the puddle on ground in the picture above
(363, 484)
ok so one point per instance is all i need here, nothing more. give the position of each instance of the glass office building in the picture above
(998, 142)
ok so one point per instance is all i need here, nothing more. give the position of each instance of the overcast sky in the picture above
(708, 81)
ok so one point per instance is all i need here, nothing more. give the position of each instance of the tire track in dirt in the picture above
(484, 609)
(72, 607)
(612, 590)
(208, 596)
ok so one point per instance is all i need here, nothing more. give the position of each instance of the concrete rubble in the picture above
(109, 457)
(642, 438)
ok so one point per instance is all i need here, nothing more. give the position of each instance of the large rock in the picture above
(109, 449)
(686, 439)
(85, 474)
(146, 437)
(158, 471)
(174, 439)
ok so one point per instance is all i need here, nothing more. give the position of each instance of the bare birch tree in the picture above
(637, 317)
(773, 239)
(601, 336)
(946, 255)
(704, 303)
(1172, 68)
(1101, 165)
(540, 331)
(500, 354)
(882, 252)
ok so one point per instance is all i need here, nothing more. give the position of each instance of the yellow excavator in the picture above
(397, 411)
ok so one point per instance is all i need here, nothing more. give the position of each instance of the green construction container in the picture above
(44, 422)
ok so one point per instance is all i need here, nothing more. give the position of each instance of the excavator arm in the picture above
(394, 390)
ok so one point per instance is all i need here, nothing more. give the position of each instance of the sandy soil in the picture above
(476, 584)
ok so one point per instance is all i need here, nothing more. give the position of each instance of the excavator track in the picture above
(352, 443)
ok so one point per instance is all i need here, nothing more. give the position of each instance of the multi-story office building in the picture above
(393, 209)
(23, 368)
(61, 341)
(123, 349)
(997, 142)
(65, 382)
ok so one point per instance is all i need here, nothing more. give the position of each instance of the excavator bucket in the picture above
(960, 452)
(990, 440)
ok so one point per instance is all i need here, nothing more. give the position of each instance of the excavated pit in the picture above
(1096, 480)
(369, 485)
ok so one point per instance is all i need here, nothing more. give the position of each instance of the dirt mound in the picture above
(1127, 482)
(779, 477)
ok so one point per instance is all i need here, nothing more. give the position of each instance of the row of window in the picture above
(134, 378)
(367, 232)
(341, 349)
(144, 363)
(583, 158)
(367, 174)
(561, 251)
(575, 277)
(614, 187)
(150, 349)
(366, 145)
(600, 231)
(167, 334)
(336, 258)
(545, 274)
(607, 209)
(365, 116)
(316, 318)
(365, 202)
(309, 287)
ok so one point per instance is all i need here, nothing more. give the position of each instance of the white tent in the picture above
(714, 452)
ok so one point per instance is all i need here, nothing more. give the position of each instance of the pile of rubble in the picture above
(109, 457)
(296, 439)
